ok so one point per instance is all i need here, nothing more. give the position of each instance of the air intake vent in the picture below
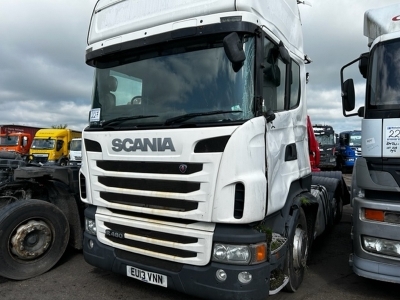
(92, 146)
(82, 186)
(239, 201)
(216, 144)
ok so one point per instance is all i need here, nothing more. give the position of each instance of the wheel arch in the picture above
(299, 196)
(67, 202)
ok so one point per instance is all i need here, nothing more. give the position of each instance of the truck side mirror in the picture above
(363, 64)
(361, 111)
(348, 95)
(233, 47)
(273, 75)
(284, 54)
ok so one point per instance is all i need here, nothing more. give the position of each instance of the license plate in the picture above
(146, 276)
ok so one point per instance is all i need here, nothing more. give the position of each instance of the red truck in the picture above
(16, 139)
(313, 147)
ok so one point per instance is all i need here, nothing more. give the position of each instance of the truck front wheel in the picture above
(296, 257)
(34, 236)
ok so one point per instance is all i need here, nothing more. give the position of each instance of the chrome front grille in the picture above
(40, 159)
(156, 187)
(166, 186)
(149, 202)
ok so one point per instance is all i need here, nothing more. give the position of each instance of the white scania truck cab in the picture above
(195, 163)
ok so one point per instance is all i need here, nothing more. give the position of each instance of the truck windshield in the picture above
(76, 145)
(355, 139)
(8, 140)
(325, 139)
(43, 144)
(148, 88)
(384, 86)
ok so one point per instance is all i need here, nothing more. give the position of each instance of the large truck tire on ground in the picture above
(196, 164)
(40, 215)
(375, 187)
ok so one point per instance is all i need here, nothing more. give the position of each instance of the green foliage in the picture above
(61, 126)
(276, 280)
(268, 231)
(305, 201)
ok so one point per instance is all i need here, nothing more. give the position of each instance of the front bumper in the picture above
(192, 280)
(368, 264)
(375, 270)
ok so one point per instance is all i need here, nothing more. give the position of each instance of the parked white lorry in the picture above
(375, 187)
(195, 163)
(75, 152)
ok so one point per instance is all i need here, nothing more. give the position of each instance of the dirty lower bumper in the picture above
(193, 280)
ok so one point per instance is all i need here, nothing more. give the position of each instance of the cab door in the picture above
(286, 143)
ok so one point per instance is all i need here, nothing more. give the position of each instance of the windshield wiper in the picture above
(123, 119)
(185, 117)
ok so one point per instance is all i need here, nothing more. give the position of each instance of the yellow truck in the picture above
(52, 146)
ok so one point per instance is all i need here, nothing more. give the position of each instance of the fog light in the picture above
(91, 244)
(245, 277)
(90, 226)
(221, 275)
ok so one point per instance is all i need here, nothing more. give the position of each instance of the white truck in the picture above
(195, 163)
(375, 188)
(75, 152)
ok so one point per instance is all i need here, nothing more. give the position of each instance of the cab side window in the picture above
(59, 145)
(294, 85)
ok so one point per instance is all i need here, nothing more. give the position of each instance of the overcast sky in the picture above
(44, 80)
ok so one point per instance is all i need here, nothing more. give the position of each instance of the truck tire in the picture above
(33, 236)
(297, 254)
(333, 183)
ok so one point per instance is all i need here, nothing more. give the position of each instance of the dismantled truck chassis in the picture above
(40, 214)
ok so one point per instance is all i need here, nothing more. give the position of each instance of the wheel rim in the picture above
(31, 240)
(300, 249)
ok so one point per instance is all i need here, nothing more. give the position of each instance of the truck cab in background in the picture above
(16, 140)
(326, 138)
(375, 188)
(52, 146)
(75, 152)
(349, 150)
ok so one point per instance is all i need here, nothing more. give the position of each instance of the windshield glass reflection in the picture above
(193, 78)
(385, 80)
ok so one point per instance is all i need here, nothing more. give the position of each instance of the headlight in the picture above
(239, 254)
(90, 226)
(381, 246)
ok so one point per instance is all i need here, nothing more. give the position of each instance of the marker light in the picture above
(373, 214)
(382, 216)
